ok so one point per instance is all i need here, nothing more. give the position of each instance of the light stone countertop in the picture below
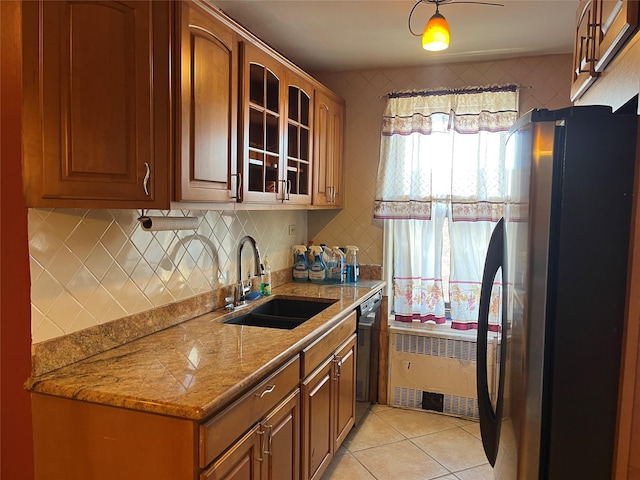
(196, 368)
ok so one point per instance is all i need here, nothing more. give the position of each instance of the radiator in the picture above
(434, 369)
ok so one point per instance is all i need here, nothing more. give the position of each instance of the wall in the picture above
(89, 267)
(547, 81)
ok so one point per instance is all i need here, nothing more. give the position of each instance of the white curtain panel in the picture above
(442, 158)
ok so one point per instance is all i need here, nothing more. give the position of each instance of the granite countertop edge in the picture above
(183, 372)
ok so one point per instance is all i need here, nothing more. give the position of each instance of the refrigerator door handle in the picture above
(490, 419)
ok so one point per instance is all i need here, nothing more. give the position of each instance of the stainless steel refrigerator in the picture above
(562, 252)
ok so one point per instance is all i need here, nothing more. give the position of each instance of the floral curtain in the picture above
(442, 160)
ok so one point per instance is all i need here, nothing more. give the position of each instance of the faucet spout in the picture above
(256, 258)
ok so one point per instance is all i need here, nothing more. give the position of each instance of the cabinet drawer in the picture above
(221, 431)
(324, 346)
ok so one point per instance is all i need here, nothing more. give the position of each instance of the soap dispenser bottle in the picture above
(318, 269)
(300, 264)
(266, 278)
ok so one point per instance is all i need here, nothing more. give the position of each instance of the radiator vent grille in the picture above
(452, 405)
(437, 347)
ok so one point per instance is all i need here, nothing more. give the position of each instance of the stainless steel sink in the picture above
(280, 313)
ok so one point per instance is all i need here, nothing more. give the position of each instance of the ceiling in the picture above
(330, 35)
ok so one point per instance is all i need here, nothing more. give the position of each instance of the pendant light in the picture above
(436, 34)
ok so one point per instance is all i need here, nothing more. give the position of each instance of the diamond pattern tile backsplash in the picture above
(92, 266)
(546, 84)
(89, 267)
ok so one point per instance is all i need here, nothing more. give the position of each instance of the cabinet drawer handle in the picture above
(145, 180)
(261, 433)
(269, 389)
(238, 196)
(269, 440)
(338, 362)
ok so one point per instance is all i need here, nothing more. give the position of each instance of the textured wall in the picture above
(547, 76)
(89, 267)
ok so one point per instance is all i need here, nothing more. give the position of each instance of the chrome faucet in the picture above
(242, 289)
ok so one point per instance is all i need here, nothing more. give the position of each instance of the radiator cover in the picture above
(433, 369)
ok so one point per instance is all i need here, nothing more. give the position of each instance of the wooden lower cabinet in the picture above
(345, 394)
(328, 409)
(76, 440)
(270, 450)
(241, 462)
(281, 429)
(282, 440)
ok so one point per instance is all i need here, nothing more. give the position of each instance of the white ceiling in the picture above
(331, 35)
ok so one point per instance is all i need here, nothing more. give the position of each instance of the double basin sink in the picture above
(283, 313)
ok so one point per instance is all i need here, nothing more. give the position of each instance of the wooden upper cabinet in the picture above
(262, 126)
(328, 151)
(618, 19)
(298, 139)
(584, 48)
(206, 107)
(96, 104)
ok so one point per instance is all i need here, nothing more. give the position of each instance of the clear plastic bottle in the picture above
(336, 266)
(353, 268)
(266, 278)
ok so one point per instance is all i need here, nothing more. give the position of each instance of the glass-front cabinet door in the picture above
(263, 127)
(297, 173)
(276, 141)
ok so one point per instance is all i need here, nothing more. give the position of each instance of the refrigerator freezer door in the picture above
(527, 222)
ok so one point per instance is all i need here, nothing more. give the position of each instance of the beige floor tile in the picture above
(342, 450)
(371, 433)
(473, 429)
(414, 423)
(378, 407)
(400, 460)
(346, 467)
(461, 422)
(362, 409)
(483, 472)
(456, 449)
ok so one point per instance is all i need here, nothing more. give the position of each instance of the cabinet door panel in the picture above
(282, 435)
(584, 49)
(328, 151)
(297, 173)
(317, 397)
(99, 72)
(208, 107)
(345, 375)
(618, 20)
(262, 127)
(322, 141)
(243, 461)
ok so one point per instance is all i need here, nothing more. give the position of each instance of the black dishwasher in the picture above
(368, 332)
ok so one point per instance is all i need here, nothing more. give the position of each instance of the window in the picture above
(441, 189)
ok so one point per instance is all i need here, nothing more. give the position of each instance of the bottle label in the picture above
(300, 272)
(317, 273)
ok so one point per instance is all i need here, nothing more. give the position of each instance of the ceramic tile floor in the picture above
(391, 444)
